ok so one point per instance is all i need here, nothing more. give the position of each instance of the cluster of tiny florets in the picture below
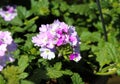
(54, 35)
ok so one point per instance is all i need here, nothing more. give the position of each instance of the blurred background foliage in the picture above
(98, 56)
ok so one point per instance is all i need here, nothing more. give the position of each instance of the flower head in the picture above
(8, 12)
(55, 35)
(7, 45)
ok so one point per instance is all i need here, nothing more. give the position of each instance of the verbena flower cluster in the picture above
(8, 12)
(7, 45)
(55, 35)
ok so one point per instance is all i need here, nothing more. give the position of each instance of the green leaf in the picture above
(40, 7)
(18, 40)
(26, 82)
(118, 72)
(33, 28)
(98, 25)
(55, 12)
(76, 79)
(63, 6)
(55, 4)
(17, 29)
(67, 72)
(23, 63)
(56, 72)
(106, 53)
(82, 9)
(84, 46)
(11, 73)
(89, 37)
(58, 65)
(28, 43)
(22, 12)
(52, 73)
(29, 24)
(16, 53)
(69, 21)
(16, 21)
(2, 81)
(23, 75)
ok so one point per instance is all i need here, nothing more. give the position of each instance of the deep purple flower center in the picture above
(9, 9)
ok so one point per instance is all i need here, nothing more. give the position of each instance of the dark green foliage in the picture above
(76, 79)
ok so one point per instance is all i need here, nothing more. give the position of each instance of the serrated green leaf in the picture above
(102, 57)
(16, 21)
(98, 25)
(84, 46)
(18, 40)
(52, 73)
(2, 81)
(16, 53)
(23, 75)
(89, 37)
(68, 20)
(81, 9)
(33, 28)
(26, 82)
(11, 73)
(76, 79)
(23, 63)
(67, 72)
(17, 29)
(22, 12)
(58, 65)
(118, 72)
(63, 6)
(27, 45)
(55, 12)
(55, 4)
(29, 24)
(40, 7)
(106, 53)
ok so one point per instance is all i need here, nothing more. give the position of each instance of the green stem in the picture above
(33, 19)
(113, 71)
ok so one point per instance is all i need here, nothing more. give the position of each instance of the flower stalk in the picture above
(102, 19)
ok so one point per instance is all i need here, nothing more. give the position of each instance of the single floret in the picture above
(8, 12)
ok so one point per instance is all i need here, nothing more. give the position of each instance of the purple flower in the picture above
(5, 40)
(7, 45)
(3, 49)
(5, 37)
(73, 40)
(61, 40)
(47, 53)
(1, 67)
(4, 59)
(55, 35)
(44, 28)
(8, 13)
(12, 47)
(75, 56)
(40, 40)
